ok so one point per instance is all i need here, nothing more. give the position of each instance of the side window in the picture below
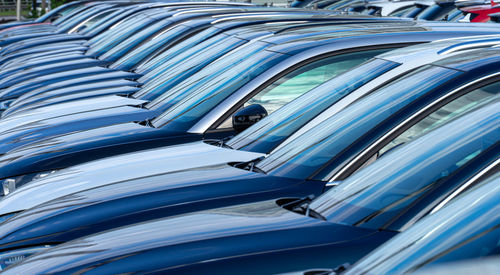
(304, 79)
(91, 21)
(441, 116)
(401, 11)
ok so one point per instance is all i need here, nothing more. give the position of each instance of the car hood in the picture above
(80, 141)
(41, 86)
(33, 42)
(50, 68)
(86, 94)
(118, 169)
(45, 79)
(23, 55)
(191, 239)
(18, 120)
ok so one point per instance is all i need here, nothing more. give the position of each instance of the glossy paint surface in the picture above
(185, 242)
(466, 228)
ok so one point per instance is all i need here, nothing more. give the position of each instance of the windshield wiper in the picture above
(146, 122)
(143, 105)
(313, 213)
(302, 206)
(250, 165)
(219, 142)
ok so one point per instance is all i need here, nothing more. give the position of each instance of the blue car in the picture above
(62, 25)
(465, 228)
(344, 224)
(301, 167)
(215, 100)
(208, 51)
(158, 23)
(277, 129)
(42, 77)
(82, 68)
(50, 16)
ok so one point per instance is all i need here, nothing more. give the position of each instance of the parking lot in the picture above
(307, 137)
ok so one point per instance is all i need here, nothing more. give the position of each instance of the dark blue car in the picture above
(272, 236)
(47, 74)
(155, 26)
(466, 228)
(214, 100)
(307, 165)
(283, 125)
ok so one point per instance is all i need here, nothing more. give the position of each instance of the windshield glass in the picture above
(303, 156)
(159, 58)
(117, 33)
(70, 15)
(60, 11)
(136, 39)
(219, 70)
(98, 21)
(213, 87)
(67, 25)
(178, 68)
(94, 20)
(376, 195)
(465, 229)
(98, 43)
(446, 113)
(161, 39)
(275, 128)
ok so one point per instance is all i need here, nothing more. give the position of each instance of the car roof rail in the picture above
(470, 45)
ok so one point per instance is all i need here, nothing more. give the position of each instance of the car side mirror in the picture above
(54, 18)
(81, 28)
(248, 116)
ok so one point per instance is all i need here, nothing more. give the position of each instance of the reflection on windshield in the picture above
(286, 120)
(223, 69)
(158, 59)
(446, 113)
(467, 228)
(134, 40)
(326, 141)
(213, 88)
(106, 40)
(176, 69)
(374, 196)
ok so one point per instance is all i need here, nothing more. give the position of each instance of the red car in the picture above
(480, 13)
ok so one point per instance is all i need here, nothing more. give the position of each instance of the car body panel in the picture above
(82, 95)
(43, 113)
(276, 230)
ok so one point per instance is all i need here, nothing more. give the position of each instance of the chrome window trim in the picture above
(471, 181)
(343, 43)
(337, 176)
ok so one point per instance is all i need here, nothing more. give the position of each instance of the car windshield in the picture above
(96, 24)
(161, 39)
(467, 228)
(375, 196)
(435, 12)
(285, 121)
(220, 72)
(67, 25)
(446, 113)
(97, 19)
(70, 15)
(177, 68)
(160, 58)
(60, 11)
(211, 87)
(306, 154)
(119, 32)
(138, 38)
(100, 43)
